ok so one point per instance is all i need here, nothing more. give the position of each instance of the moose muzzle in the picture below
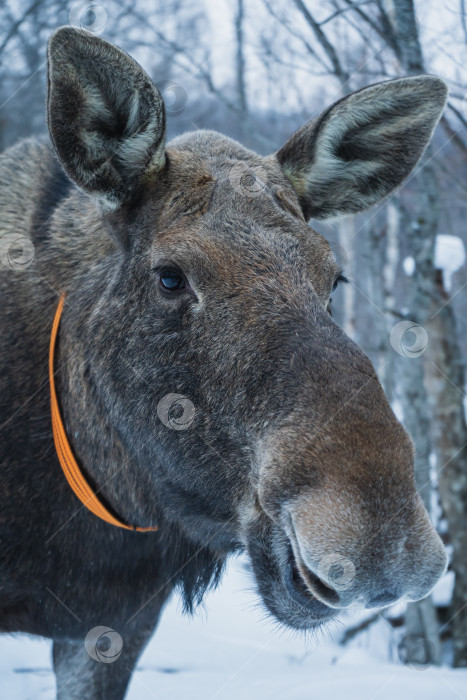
(345, 554)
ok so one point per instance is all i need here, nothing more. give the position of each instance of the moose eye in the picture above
(340, 279)
(172, 280)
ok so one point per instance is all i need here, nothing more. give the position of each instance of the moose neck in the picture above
(110, 470)
(134, 487)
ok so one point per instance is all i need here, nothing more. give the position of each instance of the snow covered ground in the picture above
(232, 651)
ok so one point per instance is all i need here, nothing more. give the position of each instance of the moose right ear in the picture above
(106, 117)
(363, 146)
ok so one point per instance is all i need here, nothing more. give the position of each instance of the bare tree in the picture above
(428, 294)
(240, 59)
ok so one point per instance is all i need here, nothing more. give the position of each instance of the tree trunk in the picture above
(390, 265)
(422, 643)
(240, 61)
(448, 422)
(447, 405)
(444, 368)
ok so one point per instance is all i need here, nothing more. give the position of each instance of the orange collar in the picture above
(70, 467)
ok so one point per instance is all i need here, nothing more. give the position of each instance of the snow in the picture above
(408, 265)
(396, 405)
(442, 592)
(232, 650)
(449, 256)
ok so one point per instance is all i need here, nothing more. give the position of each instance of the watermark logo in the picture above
(409, 339)
(416, 651)
(248, 180)
(103, 644)
(175, 97)
(88, 15)
(337, 571)
(175, 411)
(16, 251)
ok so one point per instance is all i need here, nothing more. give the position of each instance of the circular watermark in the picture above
(248, 180)
(16, 251)
(174, 95)
(103, 644)
(337, 571)
(88, 15)
(409, 339)
(175, 411)
(416, 651)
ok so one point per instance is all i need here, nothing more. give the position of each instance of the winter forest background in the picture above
(257, 70)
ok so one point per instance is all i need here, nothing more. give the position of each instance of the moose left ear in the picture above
(106, 117)
(363, 146)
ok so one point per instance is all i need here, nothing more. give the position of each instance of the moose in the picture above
(173, 386)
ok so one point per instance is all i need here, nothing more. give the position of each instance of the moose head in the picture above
(198, 329)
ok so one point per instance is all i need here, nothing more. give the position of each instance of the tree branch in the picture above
(384, 31)
(16, 25)
(339, 72)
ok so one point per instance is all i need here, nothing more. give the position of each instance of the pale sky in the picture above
(441, 33)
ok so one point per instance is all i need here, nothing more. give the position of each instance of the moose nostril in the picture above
(304, 579)
(320, 589)
(327, 594)
(384, 598)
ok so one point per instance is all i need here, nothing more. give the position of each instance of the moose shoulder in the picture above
(202, 385)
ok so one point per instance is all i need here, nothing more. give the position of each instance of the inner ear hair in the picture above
(106, 117)
(363, 146)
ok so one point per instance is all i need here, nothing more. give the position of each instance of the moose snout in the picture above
(345, 554)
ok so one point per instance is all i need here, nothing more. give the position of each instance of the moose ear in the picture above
(106, 117)
(363, 146)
